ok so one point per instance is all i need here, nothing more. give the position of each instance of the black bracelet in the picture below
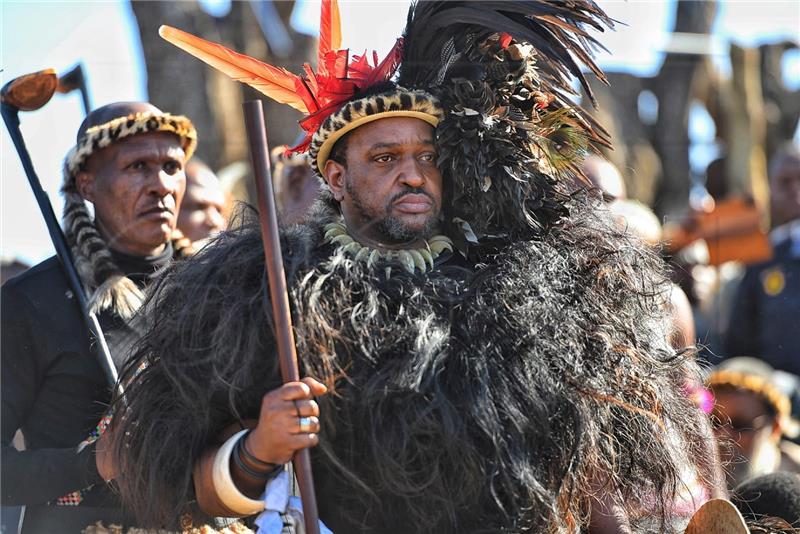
(249, 471)
(250, 457)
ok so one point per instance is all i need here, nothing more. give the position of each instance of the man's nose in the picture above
(214, 219)
(412, 173)
(164, 183)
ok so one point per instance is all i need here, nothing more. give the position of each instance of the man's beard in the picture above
(393, 229)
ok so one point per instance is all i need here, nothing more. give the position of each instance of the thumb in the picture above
(317, 387)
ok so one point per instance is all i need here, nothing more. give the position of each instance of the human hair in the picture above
(339, 150)
(776, 495)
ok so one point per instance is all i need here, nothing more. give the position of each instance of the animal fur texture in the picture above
(490, 396)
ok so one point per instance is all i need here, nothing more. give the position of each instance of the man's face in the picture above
(201, 210)
(390, 190)
(785, 191)
(136, 186)
(742, 426)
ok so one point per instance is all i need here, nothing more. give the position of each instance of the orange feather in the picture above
(278, 84)
(330, 29)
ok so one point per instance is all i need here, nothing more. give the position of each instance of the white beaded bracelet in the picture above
(233, 499)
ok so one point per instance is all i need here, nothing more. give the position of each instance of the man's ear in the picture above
(777, 430)
(335, 176)
(85, 184)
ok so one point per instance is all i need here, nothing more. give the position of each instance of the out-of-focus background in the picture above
(690, 81)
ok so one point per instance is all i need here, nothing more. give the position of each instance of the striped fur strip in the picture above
(107, 288)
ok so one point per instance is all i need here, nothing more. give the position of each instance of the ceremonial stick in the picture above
(279, 295)
(29, 93)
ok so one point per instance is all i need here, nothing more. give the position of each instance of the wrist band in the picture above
(230, 496)
(250, 456)
(239, 448)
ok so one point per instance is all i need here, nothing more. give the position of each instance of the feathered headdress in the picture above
(493, 77)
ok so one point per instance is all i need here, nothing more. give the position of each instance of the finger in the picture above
(303, 408)
(295, 390)
(303, 441)
(311, 428)
(317, 387)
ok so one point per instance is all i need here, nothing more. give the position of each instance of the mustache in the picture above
(167, 203)
(411, 191)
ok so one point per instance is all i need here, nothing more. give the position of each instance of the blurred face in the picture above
(201, 210)
(390, 190)
(136, 186)
(785, 191)
(741, 424)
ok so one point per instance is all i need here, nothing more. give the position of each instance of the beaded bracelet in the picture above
(251, 457)
(239, 448)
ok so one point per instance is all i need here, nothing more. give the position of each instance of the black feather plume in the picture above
(557, 29)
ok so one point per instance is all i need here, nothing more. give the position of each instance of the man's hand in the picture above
(103, 456)
(278, 434)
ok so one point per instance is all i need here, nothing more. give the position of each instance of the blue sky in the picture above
(36, 35)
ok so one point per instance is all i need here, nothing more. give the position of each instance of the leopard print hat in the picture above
(106, 286)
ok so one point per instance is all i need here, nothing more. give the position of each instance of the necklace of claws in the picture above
(410, 259)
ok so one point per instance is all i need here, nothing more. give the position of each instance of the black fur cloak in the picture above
(495, 395)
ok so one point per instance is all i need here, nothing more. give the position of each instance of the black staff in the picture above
(29, 93)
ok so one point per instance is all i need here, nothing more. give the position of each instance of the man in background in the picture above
(201, 215)
(765, 319)
(128, 162)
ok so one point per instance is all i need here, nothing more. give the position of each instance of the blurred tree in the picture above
(753, 111)
(178, 83)
(675, 86)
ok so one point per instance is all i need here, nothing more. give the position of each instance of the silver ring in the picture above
(305, 425)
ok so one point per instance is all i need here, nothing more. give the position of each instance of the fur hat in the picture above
(106, 286)
(494, 78)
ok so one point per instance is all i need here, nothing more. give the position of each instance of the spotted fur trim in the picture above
(754, 383)
(106, 286)
(103, 135)
(399, 102)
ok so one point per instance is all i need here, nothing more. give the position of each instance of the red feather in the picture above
(330, 31)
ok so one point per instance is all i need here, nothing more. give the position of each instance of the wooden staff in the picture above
(279, 295)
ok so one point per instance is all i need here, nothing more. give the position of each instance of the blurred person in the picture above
(776, 495)
(128, 162)
(603, 175)
(201, 213)
(765, 316)
(11, 267)
(634, 217)
(751, 415)
(296, 186)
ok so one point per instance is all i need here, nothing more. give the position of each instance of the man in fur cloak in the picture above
(128, 162)
(495, 352)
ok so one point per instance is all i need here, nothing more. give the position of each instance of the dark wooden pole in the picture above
(279, 294)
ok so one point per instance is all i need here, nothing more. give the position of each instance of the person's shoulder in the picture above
(42, 275)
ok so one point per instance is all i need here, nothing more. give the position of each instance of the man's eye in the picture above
(428, 157)
(172, 167)
(386, 158)
(138, 165)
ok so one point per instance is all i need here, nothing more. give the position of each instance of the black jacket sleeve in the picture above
(42, 475)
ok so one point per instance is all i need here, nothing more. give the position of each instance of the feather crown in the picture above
(317, 93)
(497, 76)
